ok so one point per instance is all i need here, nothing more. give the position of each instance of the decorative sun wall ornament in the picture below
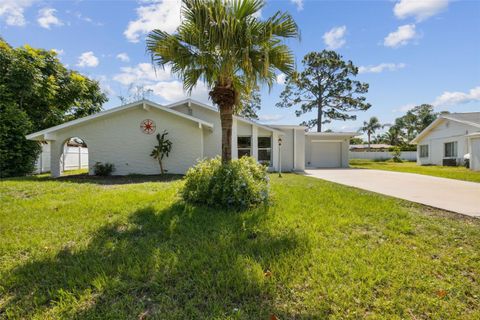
(148, 126)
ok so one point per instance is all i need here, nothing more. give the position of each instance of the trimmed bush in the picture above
(103, 169)
(240, 184)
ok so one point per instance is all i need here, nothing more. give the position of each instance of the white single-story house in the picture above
(125, 137)
(448, 139)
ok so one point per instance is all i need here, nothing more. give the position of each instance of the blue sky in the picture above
(409, 51)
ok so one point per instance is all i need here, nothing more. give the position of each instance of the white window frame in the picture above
(455, 150)
(258, 148)
(249, 149)
(422, 155)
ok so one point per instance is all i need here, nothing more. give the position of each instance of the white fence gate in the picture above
(382, 155)
(73, 158)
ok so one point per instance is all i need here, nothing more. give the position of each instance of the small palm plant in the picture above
(162, 149)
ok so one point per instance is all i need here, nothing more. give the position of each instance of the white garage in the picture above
(327, 149)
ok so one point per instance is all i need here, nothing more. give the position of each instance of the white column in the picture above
(56, 149)
(255, 142)
(201, 142)
(234, 139)
(64, 156)
(275, 151)
(344, 153)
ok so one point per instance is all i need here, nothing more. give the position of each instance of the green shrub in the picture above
(396, 154)
(239, 184)
(103, 169)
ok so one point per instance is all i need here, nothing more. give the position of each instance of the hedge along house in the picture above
(448, 139)
(125, 137)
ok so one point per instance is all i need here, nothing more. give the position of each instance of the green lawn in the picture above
(459, 173)
(127, 248)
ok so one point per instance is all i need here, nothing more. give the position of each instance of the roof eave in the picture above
(41, 135)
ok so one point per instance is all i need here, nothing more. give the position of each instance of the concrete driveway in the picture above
(448, 194)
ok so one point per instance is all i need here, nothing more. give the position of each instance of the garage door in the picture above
(326, 155)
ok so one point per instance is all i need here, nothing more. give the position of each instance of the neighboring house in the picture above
(125, 136)
(448, 139)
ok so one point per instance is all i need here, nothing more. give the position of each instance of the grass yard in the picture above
(459, 173)
(128, 248)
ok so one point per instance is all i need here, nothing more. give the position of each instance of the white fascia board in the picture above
(39, 134)
(474, 135)
(34, 135)
(330, 140)
(333, 134)
(473, 124)
(425, 131)
(288, 126)
(180, 114)
(189, 102)
(212, 108)
(253, 123)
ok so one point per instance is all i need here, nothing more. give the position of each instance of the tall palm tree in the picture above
(227, 46)
(370, 127)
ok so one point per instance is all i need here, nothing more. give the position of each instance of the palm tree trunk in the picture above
(226, 118)
(368, 134)
(224, 97)
(161, 166)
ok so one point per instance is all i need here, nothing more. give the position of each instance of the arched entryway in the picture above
(74, 156)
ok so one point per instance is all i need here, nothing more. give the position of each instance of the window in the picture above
(450, 150)
(424, 151)
(244, 146)
(264, 149)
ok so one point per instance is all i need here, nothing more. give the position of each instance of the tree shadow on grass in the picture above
(109, 180)
(178, 263)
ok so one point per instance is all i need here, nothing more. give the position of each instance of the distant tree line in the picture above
(36, 92)
(403, 130)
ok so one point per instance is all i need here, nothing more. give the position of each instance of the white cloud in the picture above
(405, 107)
(104, 84)
(47, 18)
(123, 57)
(298, 3)
(449, 98)
(87, 59)
(172, 91)
(381, 67)
(335, 38)
(400, 37)
(87, 19)
(156, 14)
(281, 78)
(141, 74)
(160, 81)
(420, 9)
(11, 11)
(270, 117)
